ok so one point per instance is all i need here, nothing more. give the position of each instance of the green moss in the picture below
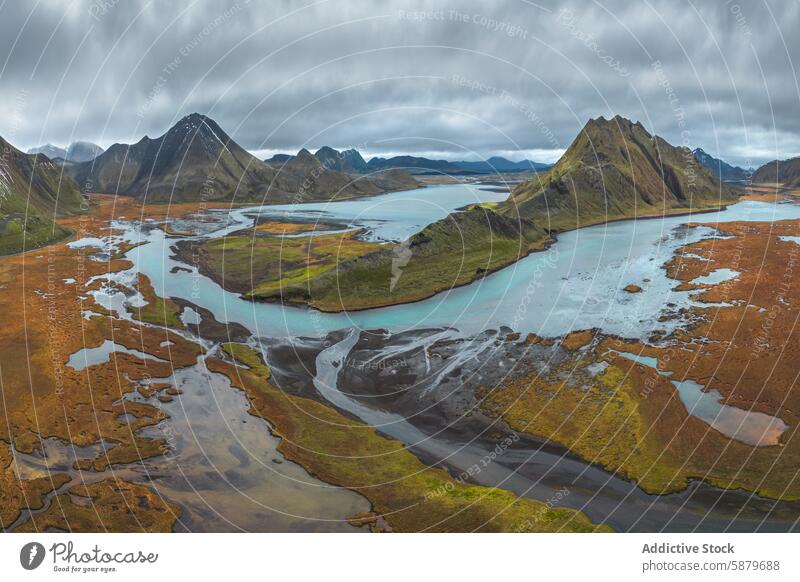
(265, 266)
(246, 355)
(19, 234)
(158, 310)
(599, 419)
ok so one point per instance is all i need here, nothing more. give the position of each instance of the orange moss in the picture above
(43, 396)
(109, 505)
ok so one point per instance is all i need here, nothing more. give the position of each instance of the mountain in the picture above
(720, 169)
(415, 165)
(496, 164)
(50, 151)
(345, 161)
(307, 164)
(786, 173)
(33, 192)
(82, 151)
(419, 165)
(351, 162)
(615, 169)
(78, 151)
(196, 160)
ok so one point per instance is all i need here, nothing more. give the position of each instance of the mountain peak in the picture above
(49, 150)
(613, 169)
(194, 122)
(615, 122)
(201, 135)
(196, 158)
(344, 161)
(304, 154)
(303, 161)
(193, 118)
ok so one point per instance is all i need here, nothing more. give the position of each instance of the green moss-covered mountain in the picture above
(33, 193)
(197, 161)
(783, 172)
(613, 170)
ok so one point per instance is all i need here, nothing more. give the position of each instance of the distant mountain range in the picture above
(50, 151)
(196, 160)
(417, 165)
(33, 192)
(783, 172)
(498, 164)
(722, 170)
(76, 152)
(350, 161)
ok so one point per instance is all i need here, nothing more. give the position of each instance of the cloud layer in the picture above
(466, 80)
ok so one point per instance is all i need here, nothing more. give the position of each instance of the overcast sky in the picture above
(466, 80)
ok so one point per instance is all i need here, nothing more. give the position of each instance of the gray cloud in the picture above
(464, 79)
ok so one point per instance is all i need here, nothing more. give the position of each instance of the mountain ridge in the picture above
(616, 169)
(196, 159)
(721, 169)
(351, 161)
(783, 172)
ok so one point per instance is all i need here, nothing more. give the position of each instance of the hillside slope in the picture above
(784, 172)
(33, 193)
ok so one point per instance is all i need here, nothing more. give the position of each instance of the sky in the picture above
(453, 80)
